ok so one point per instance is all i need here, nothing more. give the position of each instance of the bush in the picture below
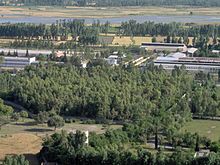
(68, 120)
(89, 122)
(215, 147)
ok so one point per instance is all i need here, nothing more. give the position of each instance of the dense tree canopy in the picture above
(105, 92)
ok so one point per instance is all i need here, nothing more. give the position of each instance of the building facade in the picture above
(172, 47)
(195, 64)
(16, 62)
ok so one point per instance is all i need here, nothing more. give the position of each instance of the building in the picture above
(216, 51)
(172, 47)
(202, 153)
(112, 60)
(23, 52)
(191, 51)
(196, 64)
(16, 62)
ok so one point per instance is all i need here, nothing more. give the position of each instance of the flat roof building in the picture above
(195, 64)
(23, 52)
(17, 62)
(172, 47)
(112, 60)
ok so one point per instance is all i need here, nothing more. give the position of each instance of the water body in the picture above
(138, 18)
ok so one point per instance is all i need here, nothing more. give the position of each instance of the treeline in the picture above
(63, 29)
(115, 2)
(37, 44)
(60, 28)
(108, 93)
(132, 28)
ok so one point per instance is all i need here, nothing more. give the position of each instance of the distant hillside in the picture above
(205, 3)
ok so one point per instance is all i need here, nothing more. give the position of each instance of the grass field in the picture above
(102, 12)
(25, 137)
(207, 128)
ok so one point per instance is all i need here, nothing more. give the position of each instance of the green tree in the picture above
(56, 122)
(42, 117)
(24, 114)
(15, 160)
(15, 117)
(3, 121)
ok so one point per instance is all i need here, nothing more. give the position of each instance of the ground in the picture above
(102, 12)
(25, 137)
(20, 143)
(207, 128)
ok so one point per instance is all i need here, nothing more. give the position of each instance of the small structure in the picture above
(191, 51)
(115, 58)
(112, 60)
(16, 62)
(216, 51)
(202, 153)
(172, 47)
(84, 63)
(85, 132)
(59, 54)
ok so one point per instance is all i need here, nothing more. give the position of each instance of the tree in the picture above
(1, 59)
(77, 139)
(15, 160)
(42, 117)
(154, 39)
(24, 114)
(4, 109)
(27, 53)
(56, 122)
(15, 116)
(3, 121)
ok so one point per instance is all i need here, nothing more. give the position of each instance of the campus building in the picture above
(195, 64)
(172, 47)
(23, 52)
(16, 62)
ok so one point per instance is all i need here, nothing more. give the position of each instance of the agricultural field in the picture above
(207, 128)
(101, 12)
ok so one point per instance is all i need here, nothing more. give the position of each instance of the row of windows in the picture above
(193, 68)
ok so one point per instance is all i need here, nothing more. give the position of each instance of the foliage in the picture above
(24, 114)
(15, 160)
(4, 109)
(55, 121)
(105, 150)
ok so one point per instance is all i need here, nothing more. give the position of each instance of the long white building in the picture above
(195, 64)
(172, 47)
(23, 52)
(17, 62)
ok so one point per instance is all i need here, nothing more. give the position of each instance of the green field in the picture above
(207, 128)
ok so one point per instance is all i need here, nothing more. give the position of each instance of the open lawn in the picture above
(102, 12)
(207, 128)
(25, 137)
